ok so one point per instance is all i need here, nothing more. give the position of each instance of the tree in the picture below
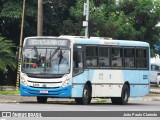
(55, 12)
(73, 25)
(128, 20)
(144, 14)
(7, 55)
(10, 19)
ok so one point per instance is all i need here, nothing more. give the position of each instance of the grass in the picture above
(100, 100)
(11, 92)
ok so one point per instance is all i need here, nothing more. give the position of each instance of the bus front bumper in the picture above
(62, 92)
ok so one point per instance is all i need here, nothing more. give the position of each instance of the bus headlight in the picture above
(23, 80)
(65, 83)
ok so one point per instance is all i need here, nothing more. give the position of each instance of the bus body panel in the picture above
(109, 83)
(78, 83)
(138, 80)
(56, 92)
(103, 82)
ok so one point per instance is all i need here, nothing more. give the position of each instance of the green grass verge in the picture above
(15, 92)
(99, 100)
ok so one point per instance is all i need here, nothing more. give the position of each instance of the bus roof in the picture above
(97, 41)
(105, 41)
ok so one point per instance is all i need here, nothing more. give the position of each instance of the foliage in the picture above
(10, 19)
(145, 14)
(7, 55)
(53, 16)
(128, 20)
(97, 16)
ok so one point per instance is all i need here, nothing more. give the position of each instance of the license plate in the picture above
(44, 91)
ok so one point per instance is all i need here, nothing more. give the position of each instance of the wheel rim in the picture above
(85, 94)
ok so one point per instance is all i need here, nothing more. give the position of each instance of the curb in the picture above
(155, 91)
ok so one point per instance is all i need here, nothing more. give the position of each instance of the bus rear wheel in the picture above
(123, 100)
(41, 99)
(86, 97)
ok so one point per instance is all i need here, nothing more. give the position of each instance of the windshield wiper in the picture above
(52, 55)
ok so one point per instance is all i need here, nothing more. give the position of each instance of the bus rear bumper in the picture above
(62, 92)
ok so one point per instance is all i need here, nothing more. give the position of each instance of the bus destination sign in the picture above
(47, 42)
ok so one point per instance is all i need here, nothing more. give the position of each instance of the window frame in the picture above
(75, 47)
(134, 57)
(96, 46)
(147, 58)
(110, 57)
(121, 47)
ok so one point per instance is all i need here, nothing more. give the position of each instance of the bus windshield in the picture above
(48, 61)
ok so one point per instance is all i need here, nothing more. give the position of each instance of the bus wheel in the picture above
(124, 95)
(123, 100)
(41, 99)
(86, 99)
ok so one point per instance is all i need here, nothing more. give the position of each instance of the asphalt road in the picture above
(149, 103)
(133, 106)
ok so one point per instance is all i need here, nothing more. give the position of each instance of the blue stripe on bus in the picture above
(55, 92)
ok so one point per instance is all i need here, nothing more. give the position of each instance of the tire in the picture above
(86, 97)
(41, 99)
(123, 100)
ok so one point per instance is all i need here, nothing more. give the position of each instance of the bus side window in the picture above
(91, 56)
(104, 54)
(141, 58)
(129, 57)
(117, 57)
(77, 62)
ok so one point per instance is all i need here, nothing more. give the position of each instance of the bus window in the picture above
(91, 56)
(77, 62)
(129, 57)
(117, 57)
(141, 58)
(104, 59)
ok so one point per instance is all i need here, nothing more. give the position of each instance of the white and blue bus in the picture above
(84, 68)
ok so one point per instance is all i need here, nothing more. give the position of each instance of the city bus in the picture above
(84, 68)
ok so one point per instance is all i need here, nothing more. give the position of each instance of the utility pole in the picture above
(40, 18)
(86, 13)
(20, 46)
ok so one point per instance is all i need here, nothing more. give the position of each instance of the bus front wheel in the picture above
(41, 99)
(86, 97)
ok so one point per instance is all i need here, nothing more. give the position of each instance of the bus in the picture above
(84, 68)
